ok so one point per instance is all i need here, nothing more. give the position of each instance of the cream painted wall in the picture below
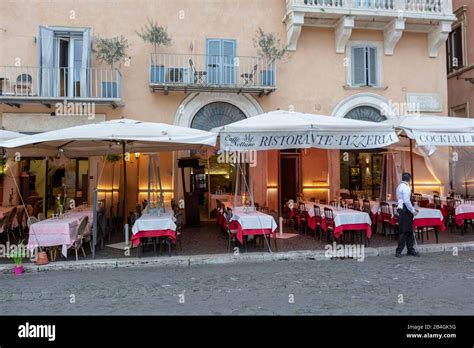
(311, 80)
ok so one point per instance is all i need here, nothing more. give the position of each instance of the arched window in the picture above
(216, 115)
(365, 113)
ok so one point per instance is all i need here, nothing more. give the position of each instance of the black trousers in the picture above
(405, 236)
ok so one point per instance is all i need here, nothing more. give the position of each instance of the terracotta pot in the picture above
(42, 258)
(19, 270)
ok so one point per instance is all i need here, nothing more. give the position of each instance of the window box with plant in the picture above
(157, 36)
(271, 50)
(111, 51)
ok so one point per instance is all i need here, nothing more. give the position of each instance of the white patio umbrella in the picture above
(432, 131)
(295, 130)
(114, 137)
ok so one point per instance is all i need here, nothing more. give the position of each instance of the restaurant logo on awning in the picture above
(234, 142)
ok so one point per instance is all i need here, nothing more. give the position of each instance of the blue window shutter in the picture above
(359, 77)
(213, 57)
(372, 66)
(229, 69)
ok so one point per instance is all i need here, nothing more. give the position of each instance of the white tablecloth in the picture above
(464, 209)
(254, 220)
(52, 232)
(154, 223)
(427, 213)
(347, 216)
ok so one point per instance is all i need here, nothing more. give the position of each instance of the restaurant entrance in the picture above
(290, 176)
(361, 172)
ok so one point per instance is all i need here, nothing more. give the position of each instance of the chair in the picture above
(31, 220)
(232, 233)
(198, 75)
(248, 77)
(23, 84)
(80, 230)
(395, 221)
(329, 220)
(20, 217)
(302, 217)
(319, 219)
(41, 217)
(386, 214)
(8, 223)
(436, 202)
(356, 205)
(38, 207)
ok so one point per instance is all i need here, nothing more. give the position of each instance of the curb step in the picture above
(218, 259)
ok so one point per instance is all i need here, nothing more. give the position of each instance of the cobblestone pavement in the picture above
(435, 284)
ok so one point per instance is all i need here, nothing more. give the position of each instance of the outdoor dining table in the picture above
(347, 220)
(154, 226)
(252, 223)
(53, 232)
(464, 212)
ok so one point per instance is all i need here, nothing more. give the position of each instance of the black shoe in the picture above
(398, 255)
(413, 253)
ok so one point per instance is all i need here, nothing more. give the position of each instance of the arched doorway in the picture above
(361, 172)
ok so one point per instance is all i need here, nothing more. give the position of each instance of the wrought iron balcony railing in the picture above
(24, 84)
(194, 72)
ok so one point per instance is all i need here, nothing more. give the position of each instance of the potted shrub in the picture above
(111, 51)
(270, 48)
(157, 36)
(17, 254)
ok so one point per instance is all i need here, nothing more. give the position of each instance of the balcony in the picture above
(41, 85)
(393, 17)
(205, 73)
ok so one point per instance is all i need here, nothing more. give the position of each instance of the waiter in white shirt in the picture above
(406, 213)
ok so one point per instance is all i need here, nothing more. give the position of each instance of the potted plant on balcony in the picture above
(157, 36)
(111, 51)
(270, 48)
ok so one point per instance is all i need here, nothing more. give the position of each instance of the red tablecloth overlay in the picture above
(148, 234)
(235, 225)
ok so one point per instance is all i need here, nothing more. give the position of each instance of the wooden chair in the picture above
(319, 219)
(395, 224)
(356, 205)
(302, 217)
(80, 230)
(20, 217)
(386, 214)
(8, 223)
(31, 220)
(231, 233)
(329, 220)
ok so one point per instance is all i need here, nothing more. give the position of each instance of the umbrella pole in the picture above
(411, 165)
(125, 220)
(149, 182)
(208, 189)
(162, 199)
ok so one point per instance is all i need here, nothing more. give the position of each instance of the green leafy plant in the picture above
(18, 253)
(269, 46)
(155, 35)
(3, 167)
(113, 158)
(111, 50)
